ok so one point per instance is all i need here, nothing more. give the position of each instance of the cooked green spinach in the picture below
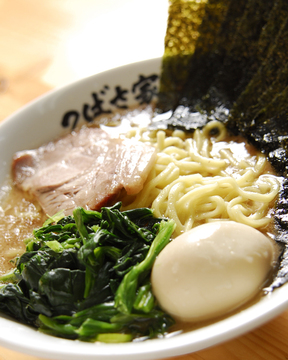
(87, 276)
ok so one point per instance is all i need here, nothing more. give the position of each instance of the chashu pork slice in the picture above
(87, 168)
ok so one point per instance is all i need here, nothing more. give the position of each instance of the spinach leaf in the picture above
(87, 276)
(14, 303)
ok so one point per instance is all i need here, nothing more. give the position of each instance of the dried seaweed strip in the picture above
(281, 226)
(278, 85)
(282, 275)
(238, 32)
(270, 31)
(209, 54)
(260, 113)
(184, 20)
(250, 26)
(258, 127)
(183, 23)
(221, 31)
(206, 57)
(269, 128)
(280, 216)
(270, 78)
(242, 59)
(195, 72)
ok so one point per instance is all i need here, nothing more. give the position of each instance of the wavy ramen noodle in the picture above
(203, 178)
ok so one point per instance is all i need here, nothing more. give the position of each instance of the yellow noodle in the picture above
(192, 186)
(171, 211)
(212, 209)
(212, 125)
(206, 162)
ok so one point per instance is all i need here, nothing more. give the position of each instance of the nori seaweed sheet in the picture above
(183, 23)
(228, 60)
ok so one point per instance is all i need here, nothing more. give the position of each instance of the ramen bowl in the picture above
(57, 113)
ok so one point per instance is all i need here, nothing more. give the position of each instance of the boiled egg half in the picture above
(212, 270)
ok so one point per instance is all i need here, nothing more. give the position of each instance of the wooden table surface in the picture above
(48, 43)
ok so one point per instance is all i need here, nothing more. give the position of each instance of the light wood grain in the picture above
(36, 55)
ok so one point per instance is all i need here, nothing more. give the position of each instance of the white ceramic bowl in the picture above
(41, 121)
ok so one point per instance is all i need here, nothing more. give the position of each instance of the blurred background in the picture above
(46, 44)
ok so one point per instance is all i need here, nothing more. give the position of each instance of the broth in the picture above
(19, 215)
